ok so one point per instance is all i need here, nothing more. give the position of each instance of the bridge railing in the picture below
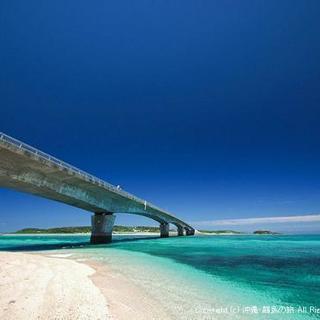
(89, 177)
(64, 165)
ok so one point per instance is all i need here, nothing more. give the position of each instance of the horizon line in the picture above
(252, 221)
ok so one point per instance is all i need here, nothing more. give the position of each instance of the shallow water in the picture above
(212, 277)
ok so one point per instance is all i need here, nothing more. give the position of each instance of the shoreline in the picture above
(125, 299)
(171, 233)
(142, 284)
(46, 286)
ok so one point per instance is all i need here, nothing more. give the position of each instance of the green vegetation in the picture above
(123, 229)
(221, 231)
(135, 229)
(85, 229)
(264, 232)
(55, 230)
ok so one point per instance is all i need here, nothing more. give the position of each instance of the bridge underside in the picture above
(102, 225)
(28, 172)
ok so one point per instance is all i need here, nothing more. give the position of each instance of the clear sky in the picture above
(209, 109)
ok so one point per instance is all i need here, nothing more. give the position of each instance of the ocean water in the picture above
(207, 277)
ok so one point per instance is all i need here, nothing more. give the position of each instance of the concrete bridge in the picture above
(27, 169)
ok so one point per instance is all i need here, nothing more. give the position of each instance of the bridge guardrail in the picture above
(89, 177)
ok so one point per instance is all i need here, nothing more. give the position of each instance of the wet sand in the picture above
(126, 300)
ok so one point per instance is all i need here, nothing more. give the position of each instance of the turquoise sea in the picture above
(207, 277)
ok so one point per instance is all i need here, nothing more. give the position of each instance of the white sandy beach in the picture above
(125, 299)
(36, 286)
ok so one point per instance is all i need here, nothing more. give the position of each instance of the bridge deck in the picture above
(27, 169)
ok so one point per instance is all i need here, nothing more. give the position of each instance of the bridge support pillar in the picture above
(189, 232)
(164, 230)
(102, 225)
(180, 231)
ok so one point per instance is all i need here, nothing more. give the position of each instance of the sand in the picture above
(126, 300)
(39, 287)
(45, 287)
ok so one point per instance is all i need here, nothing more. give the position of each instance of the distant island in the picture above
(86, 229)
(135, 229)
(116, 229)
(233, 232)
(265, 232)
(221, 232)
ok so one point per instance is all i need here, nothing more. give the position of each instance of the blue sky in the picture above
(209, 109)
